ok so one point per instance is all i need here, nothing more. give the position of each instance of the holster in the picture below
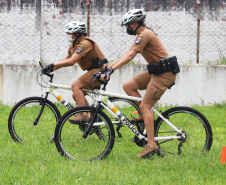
(97, 63)
(174, 64)
(163, 66)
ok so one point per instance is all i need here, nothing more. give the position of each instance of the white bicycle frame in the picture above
(109, 106)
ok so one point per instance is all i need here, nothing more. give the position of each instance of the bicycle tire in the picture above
(24, 113)
(193, 123)
(69, 137)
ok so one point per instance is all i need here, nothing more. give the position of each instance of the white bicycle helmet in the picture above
(75, 27)
(136, 15)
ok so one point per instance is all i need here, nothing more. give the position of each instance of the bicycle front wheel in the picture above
(69, 138)
(23, 115)
(194, 125)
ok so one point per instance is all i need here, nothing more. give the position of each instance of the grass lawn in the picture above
(38, 162)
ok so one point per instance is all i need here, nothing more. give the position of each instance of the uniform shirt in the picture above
(87, 49)
(150, 46)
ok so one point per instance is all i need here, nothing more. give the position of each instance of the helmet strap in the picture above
(137, 27)
(130, 31)
(75, 34)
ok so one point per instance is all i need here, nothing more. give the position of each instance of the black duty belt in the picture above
(164, 65)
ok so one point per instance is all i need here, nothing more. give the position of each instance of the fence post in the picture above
(198, 31)
(38, 10)
(88, 17)
(38, 20)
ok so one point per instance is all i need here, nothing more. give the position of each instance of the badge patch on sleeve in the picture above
(79, 49)
(138, 39)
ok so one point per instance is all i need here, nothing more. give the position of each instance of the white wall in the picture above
(195, 84)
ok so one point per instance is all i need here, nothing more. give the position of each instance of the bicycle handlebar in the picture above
(96, 76)
(45, 72)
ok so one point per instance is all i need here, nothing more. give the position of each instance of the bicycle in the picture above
(30, 116)
(175, 128)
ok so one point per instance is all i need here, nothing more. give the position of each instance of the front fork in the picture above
(93, 117)
(43, 103)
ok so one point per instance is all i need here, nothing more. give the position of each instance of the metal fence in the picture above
(33, 30)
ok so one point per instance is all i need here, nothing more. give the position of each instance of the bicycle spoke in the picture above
(71, 143)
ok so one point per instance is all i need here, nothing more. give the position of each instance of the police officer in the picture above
(87, 54)
(151, 48)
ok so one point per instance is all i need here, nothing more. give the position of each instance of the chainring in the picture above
(140, 128)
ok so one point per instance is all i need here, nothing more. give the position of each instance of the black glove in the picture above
(102, 71)
(107, 72)
(48, 68)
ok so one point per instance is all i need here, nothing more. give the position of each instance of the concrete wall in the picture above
(195, 84)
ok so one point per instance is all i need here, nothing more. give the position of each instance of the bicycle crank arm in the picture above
(117, 129)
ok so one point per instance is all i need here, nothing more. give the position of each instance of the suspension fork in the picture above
(43, 100)
(93, 117)
(43, 103)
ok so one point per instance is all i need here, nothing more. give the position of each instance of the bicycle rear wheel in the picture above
(23, 115)
(69, 136)
(193, 124)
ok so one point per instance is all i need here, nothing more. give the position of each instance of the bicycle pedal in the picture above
(151, 154)
(73, 121)
(51, 140)
(78, 121)
(160, 153)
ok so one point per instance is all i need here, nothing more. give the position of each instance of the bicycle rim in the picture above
(69, 136)
(195, 126)
(22, 117)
